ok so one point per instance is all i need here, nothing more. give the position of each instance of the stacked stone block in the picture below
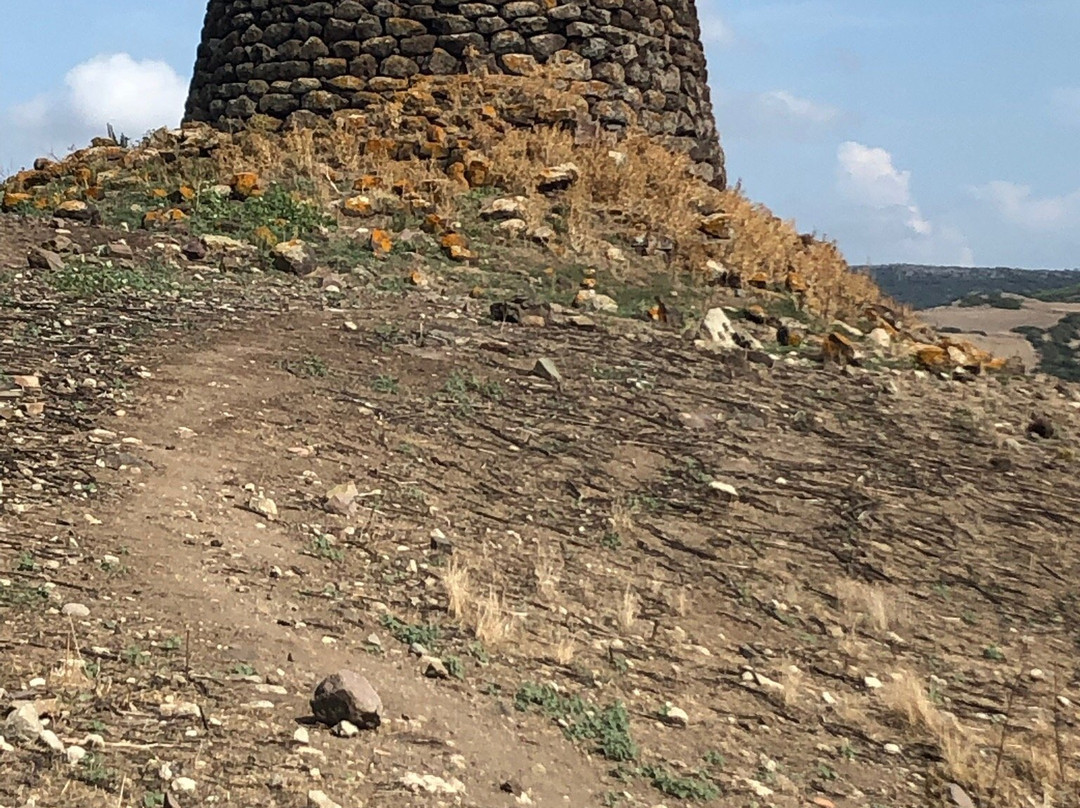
(635, 61)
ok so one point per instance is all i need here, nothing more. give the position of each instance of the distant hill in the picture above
(925, 287)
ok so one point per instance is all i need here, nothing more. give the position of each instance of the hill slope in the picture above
(665, 574)
(925, 287)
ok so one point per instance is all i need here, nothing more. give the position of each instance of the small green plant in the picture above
(153, 799)
(93, 771)
(26, 562)
(994, 653)
(714, 758)
(479, 653)
(425, 634)
(385, 384)
(454, 666)
(283, 212)
(309, 366)
(826, 772)
(243, 669)
(463, 389)
(135, 656)
(88, 279)
(610, 540)
(608, 727)
(322, 546)
(697, 787)
(172, 643)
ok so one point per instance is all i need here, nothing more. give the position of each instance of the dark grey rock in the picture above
(347, 696)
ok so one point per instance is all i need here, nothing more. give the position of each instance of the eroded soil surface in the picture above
(803, 586)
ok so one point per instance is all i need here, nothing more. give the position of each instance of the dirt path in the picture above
(201, 565)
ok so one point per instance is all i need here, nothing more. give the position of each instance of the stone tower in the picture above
(644, 60)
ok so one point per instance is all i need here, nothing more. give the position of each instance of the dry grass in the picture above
(628, 609)
(547, 572)
(629, 186)
(865, 605)
(565, 647)
(493, 623)
(457, 581)
(1004, 764)
(680, 601)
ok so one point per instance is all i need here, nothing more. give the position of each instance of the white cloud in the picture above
(868, 177)
(1017, 205)
(134, 96)
(786, 106)
(1065, 102)
(774, 115)
(714, 29)
(881, 203)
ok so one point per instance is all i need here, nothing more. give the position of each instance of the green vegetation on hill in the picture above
(927, 286)
(1058, 346)
(994, 299)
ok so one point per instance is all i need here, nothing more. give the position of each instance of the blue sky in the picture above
(931, 132)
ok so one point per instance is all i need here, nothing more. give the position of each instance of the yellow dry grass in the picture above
(438, 141)
(1002, 763)
(633, 185)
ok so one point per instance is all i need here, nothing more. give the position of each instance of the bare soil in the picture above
(891, 535)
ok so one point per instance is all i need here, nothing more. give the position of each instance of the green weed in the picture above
(425, 634)
(608, 727)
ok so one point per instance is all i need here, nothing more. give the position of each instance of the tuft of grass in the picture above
(865, 604)
(456, 580)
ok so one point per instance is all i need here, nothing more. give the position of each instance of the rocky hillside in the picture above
(333, 479)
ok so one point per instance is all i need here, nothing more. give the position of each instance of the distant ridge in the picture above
(925, 286)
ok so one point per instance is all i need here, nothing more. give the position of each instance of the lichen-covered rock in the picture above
(293, 257)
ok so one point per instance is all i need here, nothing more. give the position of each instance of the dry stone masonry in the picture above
(634, 61)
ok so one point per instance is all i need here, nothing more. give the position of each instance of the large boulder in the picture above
(717, 329)
(347, 696)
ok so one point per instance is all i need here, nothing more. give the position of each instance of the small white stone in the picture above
(75, 754)
(49, 738)
(892, 748)
(675, 716)
(1036, 674)
(301, 736)
(76, 610)
(726, 488)
(318, 799)
(38, 681)
(828, 698)
(183, 784)
(872, 683)
(346, 729)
